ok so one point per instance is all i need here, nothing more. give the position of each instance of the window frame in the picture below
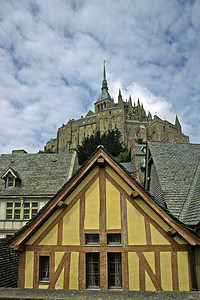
(89, 243)
(92, 273)
(119, 274)
(41, 265)
(117, 243)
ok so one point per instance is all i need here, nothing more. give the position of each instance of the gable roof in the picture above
(41, 174)
(101, 156)
(178, 170)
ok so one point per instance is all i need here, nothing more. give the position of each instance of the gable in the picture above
(103, 196)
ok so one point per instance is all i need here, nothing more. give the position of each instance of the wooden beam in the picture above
(62, 204)
(171, 231)
(101, 162)
(134, 194)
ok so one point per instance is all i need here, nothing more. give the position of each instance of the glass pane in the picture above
(114, 270)
(92, 239)
(34, 212)
(92, 266)
(17, 214)
(27, 204)
(17, 204)
(114, 239)
(10, 181)
(9, 204)
(9, 214)
(26, 213)
(34, 204)
(44, 267)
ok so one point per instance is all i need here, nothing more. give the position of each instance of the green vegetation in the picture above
(46, 151)
(110, 140)
(124, 156)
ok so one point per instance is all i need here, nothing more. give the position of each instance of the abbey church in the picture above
(131, 120)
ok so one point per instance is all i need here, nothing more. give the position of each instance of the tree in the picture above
(110, 140)
(124, 156)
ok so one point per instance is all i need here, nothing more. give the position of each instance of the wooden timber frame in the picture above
(101, 158)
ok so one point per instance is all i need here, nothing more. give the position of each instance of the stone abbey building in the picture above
(131, 120)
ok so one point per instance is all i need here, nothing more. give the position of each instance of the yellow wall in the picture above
(29, 269)
(113, 211)
(133, 269)
(166, 271)
(92, 205)
(73, 279)
(71, 226)
(136, 226)
(182, 258)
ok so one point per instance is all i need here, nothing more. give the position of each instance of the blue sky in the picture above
(51, 63)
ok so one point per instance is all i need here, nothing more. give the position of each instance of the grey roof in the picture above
(178, 171)
(8, 265)
(129, 167)
(40, 174)
(104, 95)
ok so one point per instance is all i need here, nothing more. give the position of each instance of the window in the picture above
(10, 181)
(92, 269)
(114, 239)
(44, 268)
(17, 211)
(114, 270)
(30, 210)
(92, 239)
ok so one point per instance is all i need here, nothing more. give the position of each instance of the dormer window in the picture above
(10, 181)
(11, 178)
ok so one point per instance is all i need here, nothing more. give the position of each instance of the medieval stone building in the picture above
(131, 120)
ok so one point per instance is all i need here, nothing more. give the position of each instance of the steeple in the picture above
(177, 121)
(104, 81)
(104, 101)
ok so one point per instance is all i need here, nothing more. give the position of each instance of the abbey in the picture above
(130, 119)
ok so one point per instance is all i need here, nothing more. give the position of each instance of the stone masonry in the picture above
(130, 119)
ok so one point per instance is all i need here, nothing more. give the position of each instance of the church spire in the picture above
(104, 81)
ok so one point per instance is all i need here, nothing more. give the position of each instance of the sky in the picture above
(51, 63)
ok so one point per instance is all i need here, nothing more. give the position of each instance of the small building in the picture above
(27, 182)
(102, 230)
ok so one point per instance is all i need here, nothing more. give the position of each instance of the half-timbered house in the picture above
(104, 231)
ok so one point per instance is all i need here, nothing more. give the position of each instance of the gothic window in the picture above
(44, 268)
(114, 270)
(92, 270)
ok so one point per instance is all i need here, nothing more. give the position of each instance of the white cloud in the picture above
(52, 52)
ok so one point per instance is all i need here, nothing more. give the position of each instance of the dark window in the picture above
(92, 269)
(17, 214)
(35, 204)
(27, 204)
(26, 213)
(10, 180)
(34, 212)
(17, 204)
(114, 270)
(114, 239)
(44, 267)
(92, 239)
(8, 214)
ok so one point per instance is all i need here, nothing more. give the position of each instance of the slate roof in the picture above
(178, 170)
(40, 174)
(8, 265)
(129, 167)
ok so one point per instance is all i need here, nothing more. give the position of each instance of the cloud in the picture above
(52, 52)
